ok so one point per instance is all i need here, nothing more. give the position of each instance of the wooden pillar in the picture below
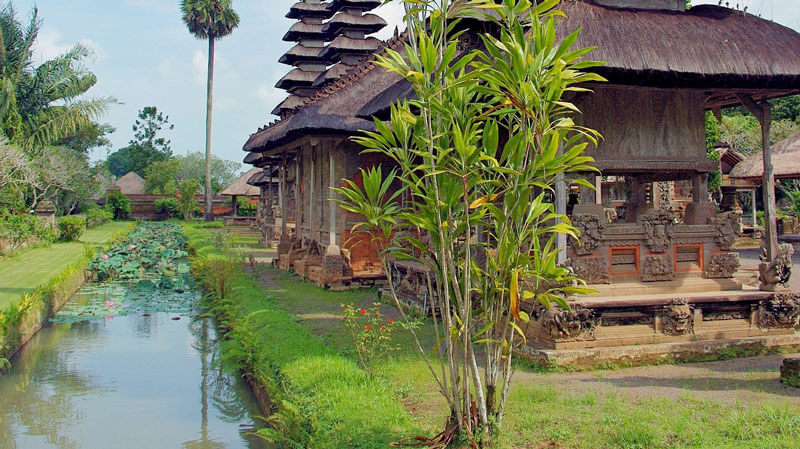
(638, 199)
(700, 188)
(598, 189)
(762, 111)
(298, 194)
(755, 208)
(332, 204)
(235, 202)
(282, 192)
(311, 209)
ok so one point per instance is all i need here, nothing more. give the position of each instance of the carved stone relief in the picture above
(678, 317)
(729, 228)
(783, 311)
(658, 268)
(722, 266)
(659, 230)
(578, 324)
(778, 271)
(593, 270)
(591, 233)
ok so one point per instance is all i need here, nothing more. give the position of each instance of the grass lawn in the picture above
(728, 404)
(24, 272)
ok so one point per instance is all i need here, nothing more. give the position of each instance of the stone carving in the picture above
(665, 190)
(729, 228)
(658, 268)
(659, 230)
(722, 266)
(591, 233)
(678, 317)
(783, 312)
(778, 271)
(593, 270)
(577, 324)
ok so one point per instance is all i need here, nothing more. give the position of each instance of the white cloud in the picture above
(270, 96)
(49, 45)
(393, 14)
(199, 67)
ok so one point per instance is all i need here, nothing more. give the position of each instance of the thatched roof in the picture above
(300, 53)
(302, 30)
(364, 4)
(707, 47)
(368, 23)
(305, 9)
(785, 159)
(344, 44)
(297, 78)
(130, 184)
(240, 186)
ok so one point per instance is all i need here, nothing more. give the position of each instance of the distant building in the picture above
(130, 184)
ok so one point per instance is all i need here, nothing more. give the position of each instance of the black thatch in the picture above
(785, 159)
(365, 5)
(368, 23)
(300, 53)
(302, 30)
(707, 47)
(303, 9)
(297, 78)
(379, 106)
(242, 187)
(332, 74)
(290, 103)
(344, 44)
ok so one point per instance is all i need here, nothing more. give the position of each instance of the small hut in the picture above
(785, 159)
(240, 187)
(130, 184)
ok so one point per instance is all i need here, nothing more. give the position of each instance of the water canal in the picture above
(128, 364)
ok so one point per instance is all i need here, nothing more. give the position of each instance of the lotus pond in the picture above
(128, 363)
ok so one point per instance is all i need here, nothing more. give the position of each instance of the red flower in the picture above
(363, 312)
(377, 315)
(366, 326)
(383, 327)
(391, 321)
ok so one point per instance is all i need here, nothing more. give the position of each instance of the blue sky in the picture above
(145, 56)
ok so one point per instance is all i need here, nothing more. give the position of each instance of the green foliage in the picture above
(20, 229)
(160, 177)
(447, 146)
(119, 205)
(187, 190)
(209, 19)
(169, 206)
(245, 208)
(743, 132)
(147, 146)
(70, 228)
(371, 332)
(96, 217)
(794, 203)
(712, 137)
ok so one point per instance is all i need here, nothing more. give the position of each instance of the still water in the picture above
(135, 381)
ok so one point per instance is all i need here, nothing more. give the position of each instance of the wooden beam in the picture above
(762, 111)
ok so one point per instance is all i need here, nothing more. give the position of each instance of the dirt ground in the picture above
(747, 380)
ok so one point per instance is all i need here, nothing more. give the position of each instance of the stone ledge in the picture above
(654, 354)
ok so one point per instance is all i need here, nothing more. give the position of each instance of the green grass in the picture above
(299, 342)
(324, 399)
(38, 266)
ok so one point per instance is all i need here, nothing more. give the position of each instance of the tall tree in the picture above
(211, 20)
(147, 145)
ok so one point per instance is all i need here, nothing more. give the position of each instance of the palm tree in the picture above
(209, 19)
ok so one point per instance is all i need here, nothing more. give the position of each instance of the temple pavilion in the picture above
(661, 279)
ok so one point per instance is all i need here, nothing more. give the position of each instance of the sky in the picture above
(145, 56)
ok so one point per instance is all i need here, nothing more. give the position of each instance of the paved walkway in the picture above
(34, 267)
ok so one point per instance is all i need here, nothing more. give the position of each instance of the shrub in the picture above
(246, 209)
(119, 205)
(169, 206)
(96, 217)
(71, 228)
(188, 188)
(19, 229)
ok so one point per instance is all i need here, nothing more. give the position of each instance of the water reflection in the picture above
(132, 382)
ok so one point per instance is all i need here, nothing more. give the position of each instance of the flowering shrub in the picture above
(372, 333)
(97, 216)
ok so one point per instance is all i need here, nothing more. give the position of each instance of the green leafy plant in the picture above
(371, 332)
(96, 217)
(17, 230)
(245, 208)
(71, 228)
(478, 153)
(187, 205)
(5, 365)
(167, 206)
(119, 205)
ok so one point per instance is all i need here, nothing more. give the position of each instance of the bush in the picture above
(169, 206)
(71, 228)
(246, 209)
(188, 188)
(96, 217)
(119, 205)
(19, 229)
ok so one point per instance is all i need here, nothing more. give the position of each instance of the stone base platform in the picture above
(687, 285)
(663, 353)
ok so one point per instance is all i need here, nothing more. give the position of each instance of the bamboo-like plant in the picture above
(478, 154)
